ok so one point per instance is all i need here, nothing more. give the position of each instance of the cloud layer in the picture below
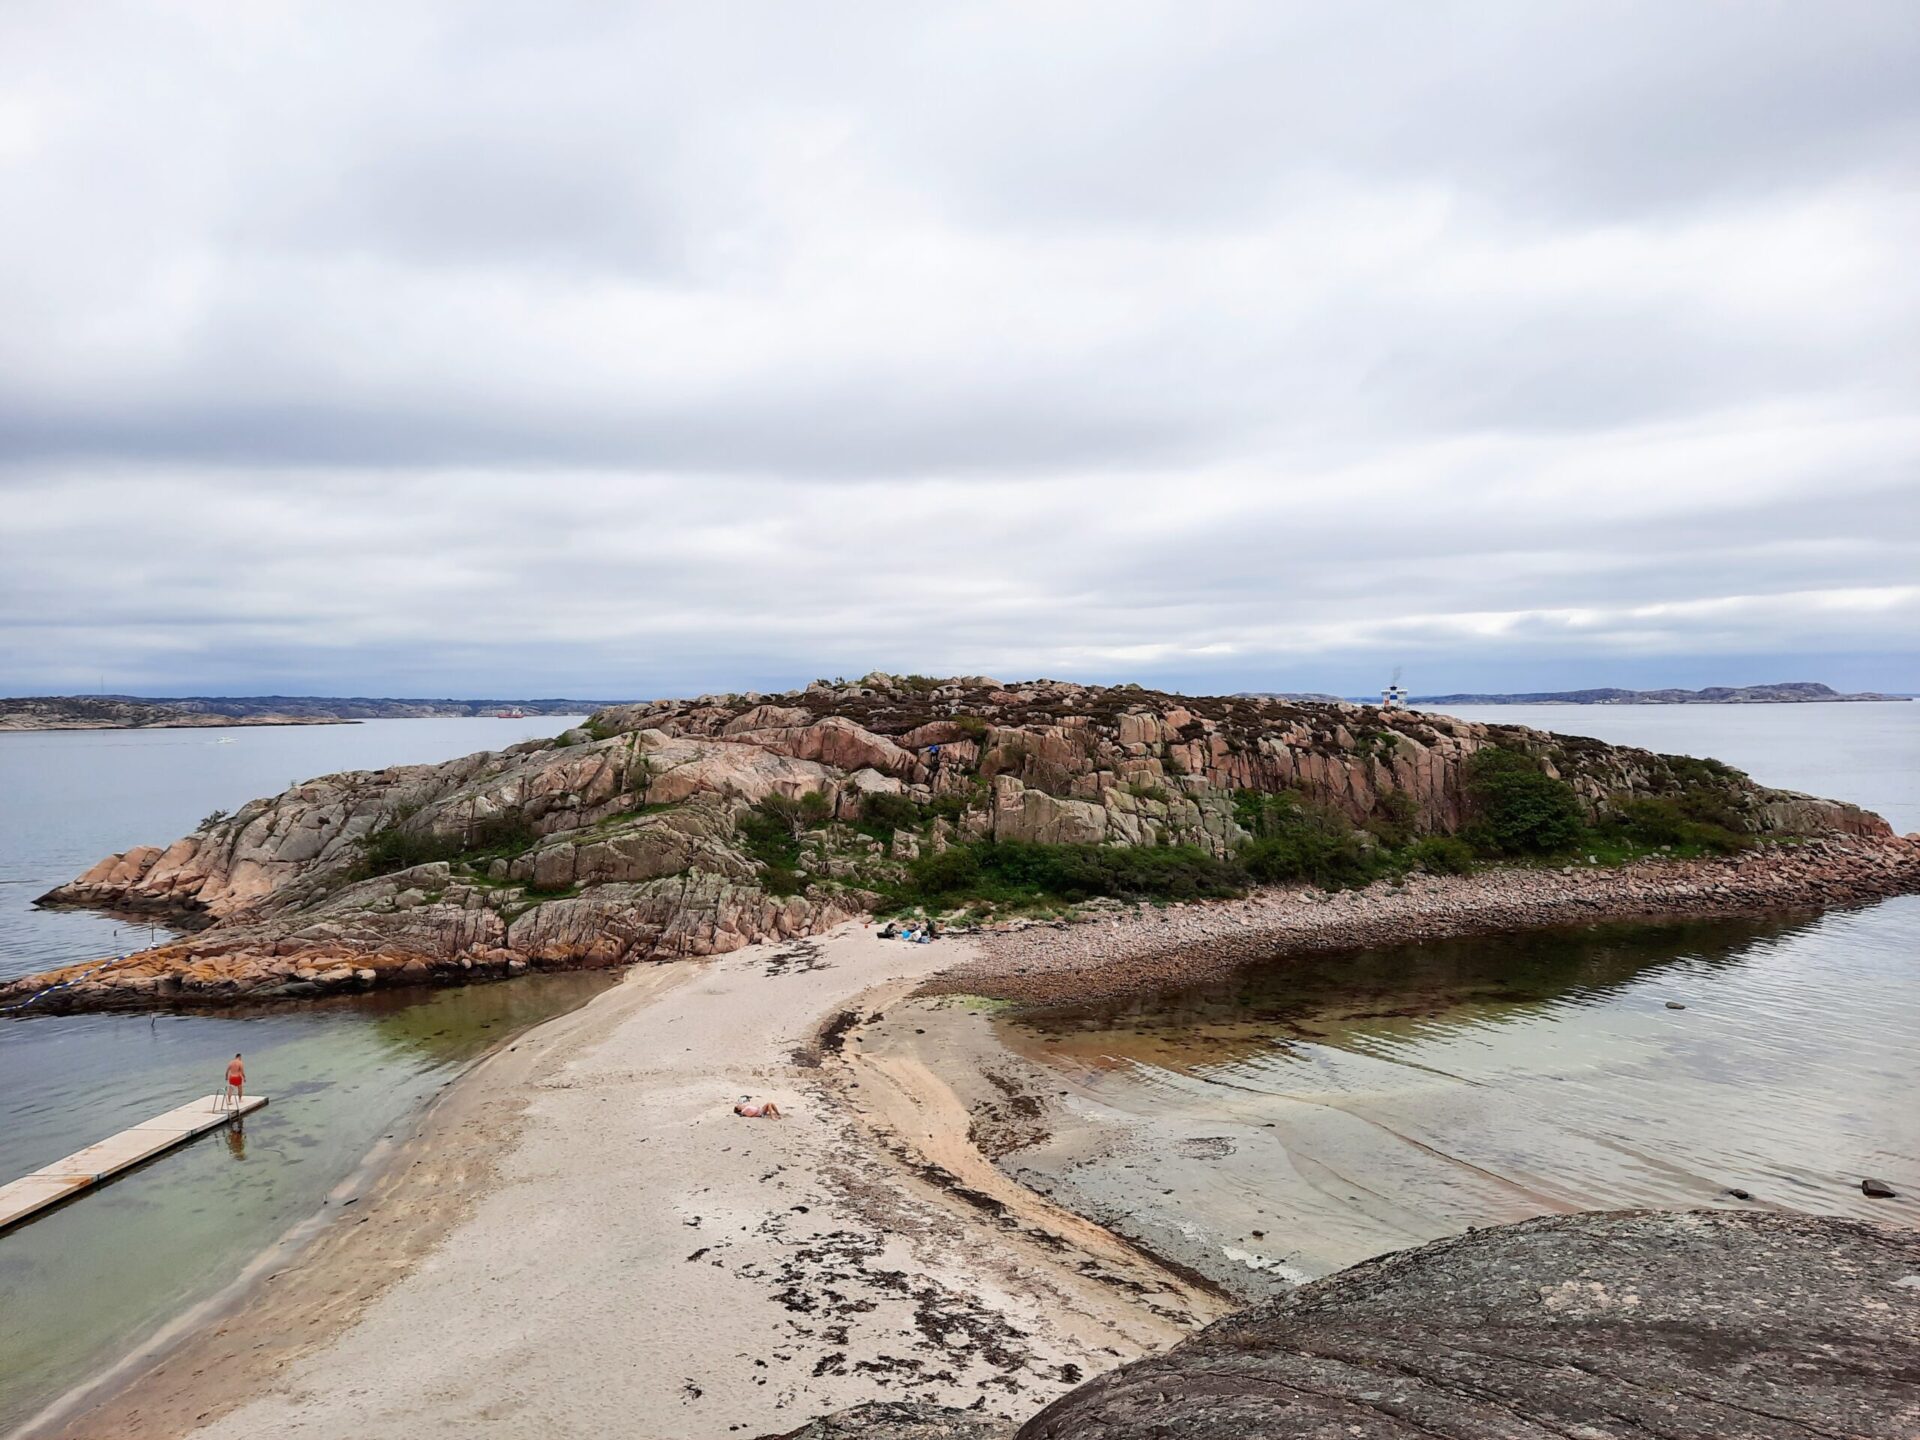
(468, 347)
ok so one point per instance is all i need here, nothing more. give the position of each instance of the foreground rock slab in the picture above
(1682, 1326)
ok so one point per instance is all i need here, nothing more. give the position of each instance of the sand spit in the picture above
(1118, 953)
(584, 1240)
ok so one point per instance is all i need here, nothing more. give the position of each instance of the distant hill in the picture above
(1792, 692)
(1297, 697)
(134, 712)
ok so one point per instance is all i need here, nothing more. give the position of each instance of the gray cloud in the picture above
(619, 349)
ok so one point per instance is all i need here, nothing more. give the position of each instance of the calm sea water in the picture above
(1307, 1114)
(82, 1284)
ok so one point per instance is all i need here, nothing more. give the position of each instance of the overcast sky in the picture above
(611, 350)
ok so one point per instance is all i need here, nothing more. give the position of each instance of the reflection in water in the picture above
(1369, 997)
(237, 1139)
(1353, 1104)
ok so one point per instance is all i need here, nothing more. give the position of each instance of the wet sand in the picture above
(581, 1233)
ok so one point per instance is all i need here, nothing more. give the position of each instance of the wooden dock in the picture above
(84, 1169)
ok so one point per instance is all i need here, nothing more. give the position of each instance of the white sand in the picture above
(645, 1263)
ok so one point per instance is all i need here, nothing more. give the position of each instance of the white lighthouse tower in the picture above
(1394, 697)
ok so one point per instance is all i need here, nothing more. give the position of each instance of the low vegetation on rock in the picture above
(685, 827)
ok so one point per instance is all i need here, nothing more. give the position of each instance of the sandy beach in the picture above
(581, 1233)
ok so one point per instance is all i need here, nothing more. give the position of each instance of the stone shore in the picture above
(1108, 954)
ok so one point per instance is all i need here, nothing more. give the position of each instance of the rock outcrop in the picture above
(1735, 1325)
(624, 839)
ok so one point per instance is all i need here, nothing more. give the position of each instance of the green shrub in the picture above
(394, 849)
(1395, 814)
(809, 812)
(971, 726)
(953, 871)
(398, 848)
(952, 805)
(1440, 855)
(1325, 857)
(890, 812)
(1653, 821)
(1519, 809)
(1296, 839)
(1013, 871)
(771, 833)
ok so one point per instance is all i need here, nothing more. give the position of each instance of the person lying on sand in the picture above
(764, 1110)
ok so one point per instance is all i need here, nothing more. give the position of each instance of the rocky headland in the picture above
(694, 827)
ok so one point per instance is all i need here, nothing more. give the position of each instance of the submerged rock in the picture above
(1739, 1325)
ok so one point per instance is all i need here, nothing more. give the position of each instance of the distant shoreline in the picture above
(9, 725)
(1788, 692)
(1426, 700)
(30, 713)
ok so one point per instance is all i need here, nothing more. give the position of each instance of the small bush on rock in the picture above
(1441, 855)
(1519, 809)
(889, 812)
(1295, 840)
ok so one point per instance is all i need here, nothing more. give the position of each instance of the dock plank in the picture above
(51, 1184)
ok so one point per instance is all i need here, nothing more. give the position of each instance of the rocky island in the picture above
(867, 1256)
(694, 827)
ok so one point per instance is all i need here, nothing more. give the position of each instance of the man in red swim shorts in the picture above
(236, 1084)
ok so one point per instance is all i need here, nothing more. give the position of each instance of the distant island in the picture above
(1294, 697)
(132, 712)
(1792, 692)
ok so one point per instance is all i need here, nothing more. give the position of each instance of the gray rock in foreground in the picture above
(1704, 1325)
